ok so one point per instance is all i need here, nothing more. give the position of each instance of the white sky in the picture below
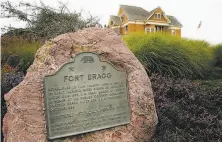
(188, 12)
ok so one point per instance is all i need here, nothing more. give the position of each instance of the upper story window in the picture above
(111, 23)
(158, 15)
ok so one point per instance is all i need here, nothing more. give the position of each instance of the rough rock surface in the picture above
(25, 121)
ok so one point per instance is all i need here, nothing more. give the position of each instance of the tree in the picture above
(44, 21)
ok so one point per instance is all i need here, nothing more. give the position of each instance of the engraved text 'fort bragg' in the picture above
(85, 95)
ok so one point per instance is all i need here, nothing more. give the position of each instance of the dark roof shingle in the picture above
(116, 20)
(174, 21)
(134, 12)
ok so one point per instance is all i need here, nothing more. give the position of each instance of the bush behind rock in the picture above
(218, 55)
(169, 55)
(9, 81)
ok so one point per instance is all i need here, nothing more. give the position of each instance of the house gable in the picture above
(154, 16)
(121, 12)
(123, 16)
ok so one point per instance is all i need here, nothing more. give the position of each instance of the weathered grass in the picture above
(169, 55)
(24, 49)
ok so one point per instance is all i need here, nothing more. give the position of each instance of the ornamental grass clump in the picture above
(169, 55)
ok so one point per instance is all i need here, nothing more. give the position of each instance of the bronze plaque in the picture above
(85, 95)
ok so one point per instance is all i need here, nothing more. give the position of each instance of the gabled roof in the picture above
(174, 21)
(116, 20)
(154, 10)
(134, 12)
(138, 13)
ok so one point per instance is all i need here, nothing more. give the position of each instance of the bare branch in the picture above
(45, 21)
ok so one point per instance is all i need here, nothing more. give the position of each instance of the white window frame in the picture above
(150, 30)
(173, 32)
(158, 15)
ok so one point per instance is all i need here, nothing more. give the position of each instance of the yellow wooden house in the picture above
(136, 19)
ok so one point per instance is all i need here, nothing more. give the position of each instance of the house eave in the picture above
(174, 27)
(114, 27)
(139, 22)
(158, 23)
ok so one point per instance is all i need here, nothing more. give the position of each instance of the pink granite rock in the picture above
(25, 120)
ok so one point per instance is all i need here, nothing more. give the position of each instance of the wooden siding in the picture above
(136, 28)
(132, 28)
(121, 13)
(122, 30)
(178, 32)
(141, 28)
(125, 19)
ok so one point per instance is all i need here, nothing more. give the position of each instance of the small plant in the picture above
(6, 69)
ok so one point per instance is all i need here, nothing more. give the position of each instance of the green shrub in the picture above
(218, 55)
(169, 55)
(215, 72)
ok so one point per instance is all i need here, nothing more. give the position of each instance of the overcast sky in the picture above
(188, 12)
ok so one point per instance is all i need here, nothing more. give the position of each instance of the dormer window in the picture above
(158, 15)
